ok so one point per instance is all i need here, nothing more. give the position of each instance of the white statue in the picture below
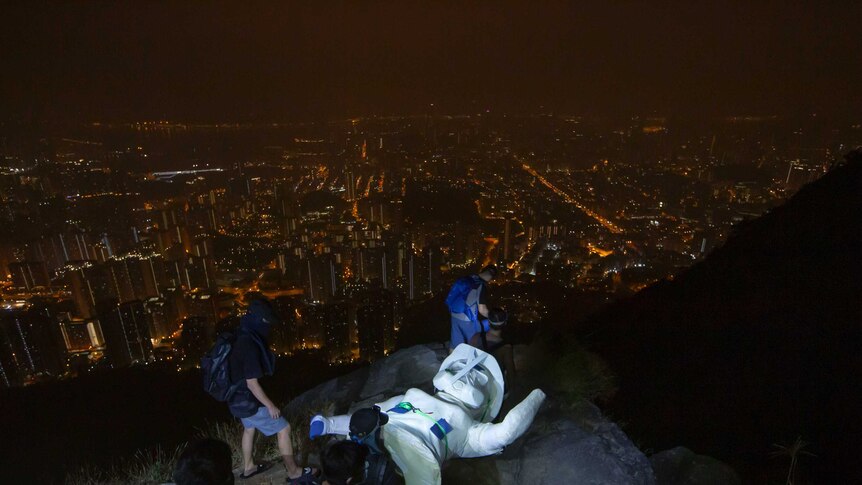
(421, 431)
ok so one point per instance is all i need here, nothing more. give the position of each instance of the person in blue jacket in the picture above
(468, 303)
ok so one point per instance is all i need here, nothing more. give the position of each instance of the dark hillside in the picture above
(100, 420)
(757, 345)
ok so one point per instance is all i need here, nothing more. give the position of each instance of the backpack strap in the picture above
(376, 471)
(266, 356)
(471, 300)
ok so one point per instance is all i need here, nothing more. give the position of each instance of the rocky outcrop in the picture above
(406, 368)
(562, 451)
(566, 444)
(756, 343)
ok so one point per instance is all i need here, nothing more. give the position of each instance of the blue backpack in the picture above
(215, 369)
(460, 291)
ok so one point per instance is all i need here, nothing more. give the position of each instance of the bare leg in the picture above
(248, 465)
(286, 450)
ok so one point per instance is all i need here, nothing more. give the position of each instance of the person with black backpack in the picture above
(468, 301)
(346, 462)
(231, 372)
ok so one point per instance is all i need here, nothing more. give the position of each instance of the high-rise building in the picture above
(198, 272)
(376, 210)
(75, 247)
(33, 341)
(370, 264)
(174, 273)
(146, 275)
(284, 336)
(8, 364)
(291, 268)
(350, 185)
(240, 186)
(159, 318)
(197, 337)
(320, 278)
(313, 323)
(375, 321)
(203, 305)
(80, 335)
(88, 287)
(121, 279)
(117, 279)
(508, 252)
(126, 333)
(27, 275)
(424, 276)
(337, 341)
(47, 250)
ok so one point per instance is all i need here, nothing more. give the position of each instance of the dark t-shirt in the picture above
(245, 359)
(245, 363)
(494, 342)
(500, 349)
(483, 292)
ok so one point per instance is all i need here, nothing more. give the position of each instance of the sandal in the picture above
(260, 469)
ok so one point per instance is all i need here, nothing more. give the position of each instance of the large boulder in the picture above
(411, 367)
(681, 466)
(340, 392)
(562, 451)
(565, 444)
(407, 368)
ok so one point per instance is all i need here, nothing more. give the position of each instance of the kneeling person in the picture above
(348, 462)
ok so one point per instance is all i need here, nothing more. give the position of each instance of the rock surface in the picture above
(566, 444)
(570, 449)
(411, 367)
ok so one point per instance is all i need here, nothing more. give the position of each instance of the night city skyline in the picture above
(669, 192)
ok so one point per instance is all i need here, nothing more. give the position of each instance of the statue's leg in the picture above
(321, 425)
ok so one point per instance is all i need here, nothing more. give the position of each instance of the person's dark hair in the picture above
(491, 270)
(343, 460)
(205, 462)
(497, 317)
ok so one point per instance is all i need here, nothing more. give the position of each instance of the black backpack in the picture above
(380, 470)
(215, 367)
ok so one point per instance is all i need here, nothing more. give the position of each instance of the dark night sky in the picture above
(281, 61)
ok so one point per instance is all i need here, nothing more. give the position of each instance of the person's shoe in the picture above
(318, 427)
(309, 476)
(260, 469)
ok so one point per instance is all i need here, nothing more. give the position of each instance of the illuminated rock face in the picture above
(565, 452)
(413, 367)
(579, 446)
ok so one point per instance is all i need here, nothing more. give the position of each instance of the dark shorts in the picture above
(262, 422)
